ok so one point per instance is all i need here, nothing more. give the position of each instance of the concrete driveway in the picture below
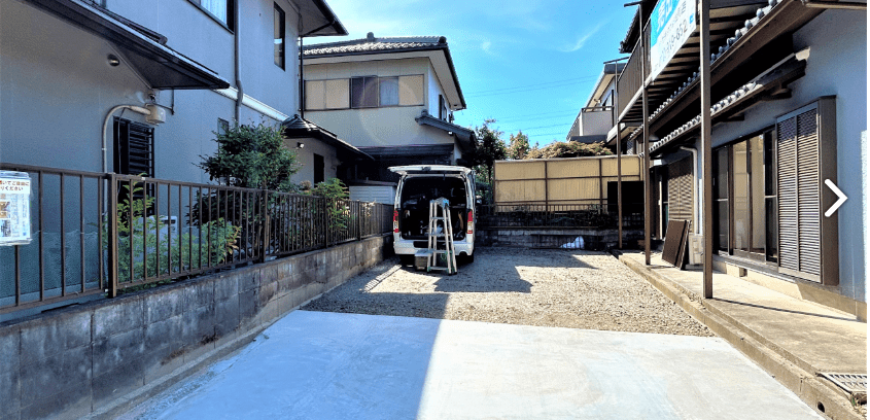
(320, 365)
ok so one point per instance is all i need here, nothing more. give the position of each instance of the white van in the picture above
(418, 185)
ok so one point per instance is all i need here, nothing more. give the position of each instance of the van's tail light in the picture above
(395, 221)
(471, 222)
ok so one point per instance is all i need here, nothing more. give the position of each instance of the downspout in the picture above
(695, 181)
(240, 95)
(301, 81)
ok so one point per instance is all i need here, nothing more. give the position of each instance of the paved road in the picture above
(320, 365)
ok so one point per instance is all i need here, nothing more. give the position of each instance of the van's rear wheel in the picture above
(466, 259)
(406, 260)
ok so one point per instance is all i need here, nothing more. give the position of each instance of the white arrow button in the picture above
(839, 202)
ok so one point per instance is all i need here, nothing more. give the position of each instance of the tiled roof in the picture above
(372, 44)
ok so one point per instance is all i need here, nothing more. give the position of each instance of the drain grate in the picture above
(851, 382)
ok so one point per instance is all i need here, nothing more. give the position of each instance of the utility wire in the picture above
(524, 89)
(573, 79)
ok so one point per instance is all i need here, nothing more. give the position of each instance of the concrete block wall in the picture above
(79, 360)
(594, 238)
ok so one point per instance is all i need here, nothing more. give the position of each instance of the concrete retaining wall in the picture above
(84, 359)
(528, 237)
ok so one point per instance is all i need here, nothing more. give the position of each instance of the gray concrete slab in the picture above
(816, 338)
(316, 365)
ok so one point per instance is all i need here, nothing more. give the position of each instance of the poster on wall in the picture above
(671, 24)
(14, 208)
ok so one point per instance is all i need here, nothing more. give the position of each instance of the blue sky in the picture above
(529, 64)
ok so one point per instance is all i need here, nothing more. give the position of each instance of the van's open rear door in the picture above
(430, 169)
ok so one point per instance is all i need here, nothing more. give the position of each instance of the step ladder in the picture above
(439, 215)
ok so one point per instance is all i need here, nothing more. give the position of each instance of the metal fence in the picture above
(95, 233)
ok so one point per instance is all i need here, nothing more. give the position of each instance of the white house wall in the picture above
(305, 157)
(57, 86)
(55, 89)
(837, 66)
(387, 126)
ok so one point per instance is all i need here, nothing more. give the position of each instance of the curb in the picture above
(124, 404)
(810, 389)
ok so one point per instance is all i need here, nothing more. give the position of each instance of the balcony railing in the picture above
(631, 78)
(94, 233)
(596, 120)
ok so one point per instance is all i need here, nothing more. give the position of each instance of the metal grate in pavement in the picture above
(851, 382)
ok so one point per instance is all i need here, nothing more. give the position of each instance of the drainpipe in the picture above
(301, 81)
(695, 209)
(237, 58)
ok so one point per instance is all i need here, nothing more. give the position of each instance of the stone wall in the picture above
(101, 356)
(596, 239)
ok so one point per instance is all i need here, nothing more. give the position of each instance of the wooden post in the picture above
(600, 186)
(546, 188)
(707, 149)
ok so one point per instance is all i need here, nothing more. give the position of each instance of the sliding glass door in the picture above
(745, 194)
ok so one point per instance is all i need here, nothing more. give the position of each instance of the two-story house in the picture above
(598, 116)
(391, 97)
(89, 88)
(789, 106)
(141, 87)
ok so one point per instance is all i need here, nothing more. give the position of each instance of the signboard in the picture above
(671, 24)
(14, 208)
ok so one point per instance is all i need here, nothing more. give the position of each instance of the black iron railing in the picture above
(95, 233)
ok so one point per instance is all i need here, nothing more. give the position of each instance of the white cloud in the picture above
(582, 40)
(485, 46)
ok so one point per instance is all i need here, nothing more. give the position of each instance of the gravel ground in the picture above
(558, 288)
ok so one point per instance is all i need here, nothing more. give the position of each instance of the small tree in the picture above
(518, 146)
(489, 148)
(252, 157)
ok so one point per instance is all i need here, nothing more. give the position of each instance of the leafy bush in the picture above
(142, 234)
(336, 195)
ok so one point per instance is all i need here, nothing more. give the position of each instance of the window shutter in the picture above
(809, 197)
(806, 156)
(134, 148)
(786, 139)
(680, 200)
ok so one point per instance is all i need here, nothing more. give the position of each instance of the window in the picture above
(219, 10)
(411, 90)
(364, 92)
(389, 87)
(223, 126)
(441, 107)
(279, 36)
(318, 169)
(721, 214)
(134, 148)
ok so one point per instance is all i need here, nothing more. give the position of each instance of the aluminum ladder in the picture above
(439, 213)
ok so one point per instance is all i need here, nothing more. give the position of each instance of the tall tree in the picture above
(518, 146)
(490, 148)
